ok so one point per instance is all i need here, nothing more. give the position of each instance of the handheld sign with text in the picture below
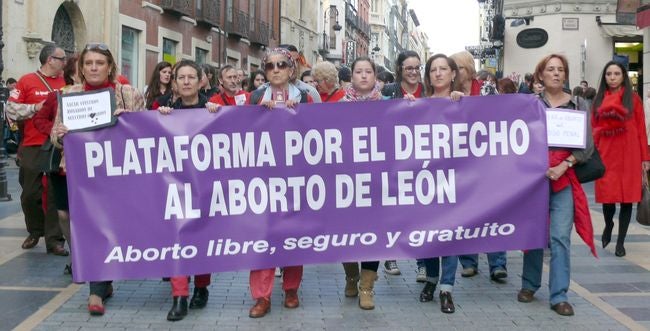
(88, 110)
(566, 128)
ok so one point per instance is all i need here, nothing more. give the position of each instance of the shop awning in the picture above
(619, 30)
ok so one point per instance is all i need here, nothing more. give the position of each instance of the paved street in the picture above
(609, 293)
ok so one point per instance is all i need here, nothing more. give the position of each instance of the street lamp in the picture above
(337, 27)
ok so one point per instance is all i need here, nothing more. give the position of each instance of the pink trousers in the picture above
(181, 284)
(261, 281)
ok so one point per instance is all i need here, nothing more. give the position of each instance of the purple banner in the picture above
(250, 188)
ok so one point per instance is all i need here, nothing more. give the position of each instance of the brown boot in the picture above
(351, 279)
(366, 294)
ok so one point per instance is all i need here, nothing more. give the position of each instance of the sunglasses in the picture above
(100, 46)
(61, 58)
(280, 65)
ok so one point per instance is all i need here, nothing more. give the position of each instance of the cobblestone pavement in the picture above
(608, 293)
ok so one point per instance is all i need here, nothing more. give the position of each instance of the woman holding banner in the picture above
(97, 70)
(468, 82)
(279, 67)
(364, 87)
(407, 85)
(567, 203)
(620, 136)
(440, 73)
(188, 76)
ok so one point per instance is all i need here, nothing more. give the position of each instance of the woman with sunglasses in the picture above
(364, 87)
(440, 72)
(279, 67)
(159, 84)
(97, 70)
(188, 76)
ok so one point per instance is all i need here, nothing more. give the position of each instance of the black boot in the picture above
(427, 292)
(200, 298)
(179, 309)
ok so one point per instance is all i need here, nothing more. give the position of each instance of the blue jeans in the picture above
(449, 266)
(561, 210)
(496, 260)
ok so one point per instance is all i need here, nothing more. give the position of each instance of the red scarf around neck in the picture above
(88, 87)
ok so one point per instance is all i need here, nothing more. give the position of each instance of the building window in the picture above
(201, 55)
(233, 62)
(169, 50)
(251, 14)
(229, 11)
(129, 56)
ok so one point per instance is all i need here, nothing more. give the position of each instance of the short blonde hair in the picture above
(325, 71)
(466, 60)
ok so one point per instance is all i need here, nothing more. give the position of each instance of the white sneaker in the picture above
(391, 268)
(422, 275)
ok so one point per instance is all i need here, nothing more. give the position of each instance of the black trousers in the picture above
(38, 222)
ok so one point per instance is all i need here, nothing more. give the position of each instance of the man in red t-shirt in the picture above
(231, 93)
(25, 101)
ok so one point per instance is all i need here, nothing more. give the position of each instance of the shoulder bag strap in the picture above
(49, 88)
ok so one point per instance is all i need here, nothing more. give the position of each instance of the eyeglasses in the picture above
(100, 46)
(413, 69)
(280, 65)
(60, 58)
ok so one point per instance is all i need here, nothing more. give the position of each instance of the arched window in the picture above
(63, 30)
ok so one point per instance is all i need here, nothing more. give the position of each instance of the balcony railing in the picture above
(209, 12)
(364, 28)
(181, 7)
(376, 18)
(237, 22)
(324, 44)
(260, 33)
(351, 15)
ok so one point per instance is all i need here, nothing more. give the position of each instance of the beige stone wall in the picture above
(27, 24)
(299, 26)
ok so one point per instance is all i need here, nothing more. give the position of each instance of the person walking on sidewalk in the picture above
(43, 122)
(37, 197)
(97, 70)
(279, 67)
(620, 136)
(188, 75)
(567, 203)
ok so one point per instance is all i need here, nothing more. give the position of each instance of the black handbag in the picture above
(590, 170)
(643, 207)
(49, 157)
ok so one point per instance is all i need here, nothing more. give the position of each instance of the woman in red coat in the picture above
(619, 134)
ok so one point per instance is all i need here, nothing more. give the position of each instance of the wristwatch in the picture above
(569, 162)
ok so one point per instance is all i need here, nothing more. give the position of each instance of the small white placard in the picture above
(566, 128)
(87, 110)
